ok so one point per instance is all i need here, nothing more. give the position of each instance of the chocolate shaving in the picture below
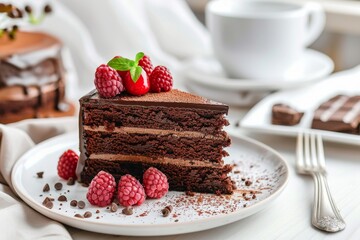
(46, 188)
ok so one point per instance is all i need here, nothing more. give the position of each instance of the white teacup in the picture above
(261, 40)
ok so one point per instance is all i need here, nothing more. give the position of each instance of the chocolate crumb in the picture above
(87, 214)
(62, 198)
(73, 203)
(242, 179)
(237, 172)
(218, 193)
(166, 211)
(251, 166)
(244, 194)
(70, 181)
(189, 193)
(40, 174)
(113, 207)
(78, 215)
(244, 205)
(81, 204)
(46, 188)
(60, 204)
(58, 186)
(248, 182)
(127, 211)
(97, 217)
(253, 196)
(176, 220)
(200, 199)
(49, 204)
(47, 199)
(98, 211)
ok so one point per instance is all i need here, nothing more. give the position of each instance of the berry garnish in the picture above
(136, 80)
(130, 191)
(161, 80)
(139, 87)
(107, 81)
(67, 164)
(146, 64)
(101, 189)
(155, 183)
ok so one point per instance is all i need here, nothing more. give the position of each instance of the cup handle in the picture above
(317, 22)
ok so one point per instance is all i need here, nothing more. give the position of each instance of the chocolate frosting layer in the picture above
(173, 98)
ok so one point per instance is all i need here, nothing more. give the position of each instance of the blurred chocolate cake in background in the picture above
(32, 78)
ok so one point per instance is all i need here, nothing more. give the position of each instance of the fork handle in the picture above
(326, 215)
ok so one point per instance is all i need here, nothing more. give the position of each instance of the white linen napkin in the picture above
(17, 220)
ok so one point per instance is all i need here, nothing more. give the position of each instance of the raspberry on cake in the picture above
(178, 133)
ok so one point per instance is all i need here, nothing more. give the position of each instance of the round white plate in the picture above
(207, 71)
(265, 168)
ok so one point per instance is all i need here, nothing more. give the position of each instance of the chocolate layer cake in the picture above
(340, 114)
(32, 78)
(178, 133)
(283, 114)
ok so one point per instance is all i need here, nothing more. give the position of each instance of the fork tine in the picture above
(320, 152)
(314, 152)
(307, 151)
(300, 152)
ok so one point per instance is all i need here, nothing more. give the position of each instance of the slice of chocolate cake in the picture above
(32, 78)
(178, 133)
(339, 114)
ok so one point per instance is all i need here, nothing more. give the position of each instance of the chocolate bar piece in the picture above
(283, 114)
(339, 114)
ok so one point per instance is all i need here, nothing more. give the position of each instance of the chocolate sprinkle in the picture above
(113, 207)
(81, 204)
(62, 198)
(87, 214)
(40, 174)
(58, 186)
(248, 182)
(98, 211)
(127, 211)
(71, 181)
(46, 188)
(73, 203)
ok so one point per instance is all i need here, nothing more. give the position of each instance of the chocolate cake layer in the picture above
(181, 178)
(131, 112)
(340, 114)
(155, 145)
(32, 77)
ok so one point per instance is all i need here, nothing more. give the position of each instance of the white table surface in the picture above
(289, 215)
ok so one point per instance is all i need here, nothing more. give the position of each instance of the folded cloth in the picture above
(17, 220)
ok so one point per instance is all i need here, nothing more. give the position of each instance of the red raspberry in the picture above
(67, 164)
(146, 64)
(130, 191)
(155, 183)
(101, 189)
(161, 80)
(107, 81)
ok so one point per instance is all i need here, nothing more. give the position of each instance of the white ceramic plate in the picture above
(306, 100)
(207, 72)
(264, 167)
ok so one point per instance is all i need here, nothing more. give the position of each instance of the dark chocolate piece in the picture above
(339, 114)
(283, 114)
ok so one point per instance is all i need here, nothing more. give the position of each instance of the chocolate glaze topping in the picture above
(173, 98)
(31, 61)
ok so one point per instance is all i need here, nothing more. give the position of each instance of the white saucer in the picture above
(207, 72)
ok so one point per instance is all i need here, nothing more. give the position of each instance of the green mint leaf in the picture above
(121, 64)
(138, 57)
(135, 73)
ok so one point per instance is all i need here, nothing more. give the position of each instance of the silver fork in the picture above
(311, 160)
